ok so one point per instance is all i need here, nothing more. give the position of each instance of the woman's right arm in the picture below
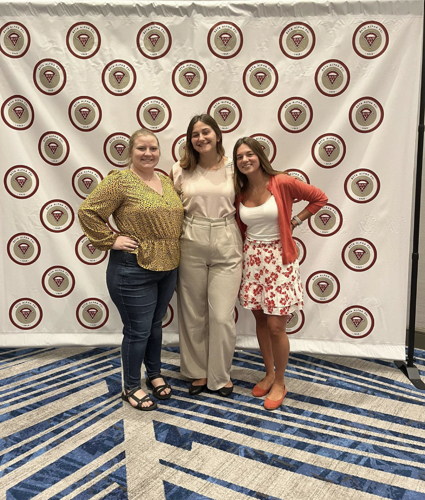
(96, 209)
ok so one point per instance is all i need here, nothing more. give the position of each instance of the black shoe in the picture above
(196, 389)
(156, 391)
(225, 391)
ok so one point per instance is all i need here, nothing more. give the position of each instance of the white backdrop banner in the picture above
(330, 89)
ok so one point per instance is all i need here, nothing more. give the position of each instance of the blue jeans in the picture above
(142, 298)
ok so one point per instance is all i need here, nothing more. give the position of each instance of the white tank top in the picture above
(262, 222)
(204, 192)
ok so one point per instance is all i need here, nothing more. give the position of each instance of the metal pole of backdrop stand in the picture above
(407, 367)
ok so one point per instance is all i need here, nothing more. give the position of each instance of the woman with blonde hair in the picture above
(143, 259)
(271, 284)
(210, 269)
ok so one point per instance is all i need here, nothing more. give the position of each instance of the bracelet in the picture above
(297, 220)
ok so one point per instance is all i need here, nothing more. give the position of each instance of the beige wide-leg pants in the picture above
(209, 277)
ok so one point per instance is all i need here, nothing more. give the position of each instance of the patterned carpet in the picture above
(349, 429)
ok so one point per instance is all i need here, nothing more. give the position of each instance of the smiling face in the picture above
(246, 160)
(145, 153)
(204, 139)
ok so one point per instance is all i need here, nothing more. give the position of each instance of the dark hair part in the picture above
(141, 132)
(191, 156)
(241, 180)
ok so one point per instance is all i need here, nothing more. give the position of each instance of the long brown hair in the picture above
(134, 136)
(191, 156)
(240, 179)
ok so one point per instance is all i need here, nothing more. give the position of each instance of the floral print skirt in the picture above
(267, 283)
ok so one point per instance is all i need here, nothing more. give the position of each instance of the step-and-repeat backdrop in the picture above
(331, 95)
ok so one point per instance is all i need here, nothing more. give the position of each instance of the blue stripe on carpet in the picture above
(91, 365)
(317, 448)
(183, 438)
(225, 484)
(174, 492)
(68, 464)
(86, 422)
(38, 404)
(118, 476)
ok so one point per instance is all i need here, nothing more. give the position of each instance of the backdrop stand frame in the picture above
(407, 367)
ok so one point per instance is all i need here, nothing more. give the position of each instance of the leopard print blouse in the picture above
(139, 212)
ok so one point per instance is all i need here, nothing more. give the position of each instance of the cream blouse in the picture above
(205, 192)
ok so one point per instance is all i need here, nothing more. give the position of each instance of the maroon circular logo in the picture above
(58, 281)
(227, 113)
(17, 112)
(301, 249)
(328, 150)
(356, 322)
(168, 318)
(268, 145)
(295, 322)
(115, 149)
(332, 78)
(83, 40)
(23, 248)
(297, 40)
(85, 113)
(322, 287)
(225, 40)
(362, 185)
(15, 40)
(53, 147)
(260, 78)
(178, 147)
(21, 181)
(366, 114)
(359, 254)
(154, 114)
(85, 180)
(327, 221)
(189, 78)
(49, 76)
(92, 313)
(119, 77)
(370, 40)
(25, 314)
(57, 216)
(154, 40)
(87, 253)
(299, 174)
(295, 114)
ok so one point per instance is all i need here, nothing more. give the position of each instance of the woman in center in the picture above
(211, 266)
(271, 285)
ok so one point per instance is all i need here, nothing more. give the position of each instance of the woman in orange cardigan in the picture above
(271, 285)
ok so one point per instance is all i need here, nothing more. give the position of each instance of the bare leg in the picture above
(264, 340)
(280, 348)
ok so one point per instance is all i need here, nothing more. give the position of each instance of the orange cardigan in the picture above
(285, 190)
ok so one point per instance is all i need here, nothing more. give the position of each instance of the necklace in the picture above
(255, 190)
(154, 176)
